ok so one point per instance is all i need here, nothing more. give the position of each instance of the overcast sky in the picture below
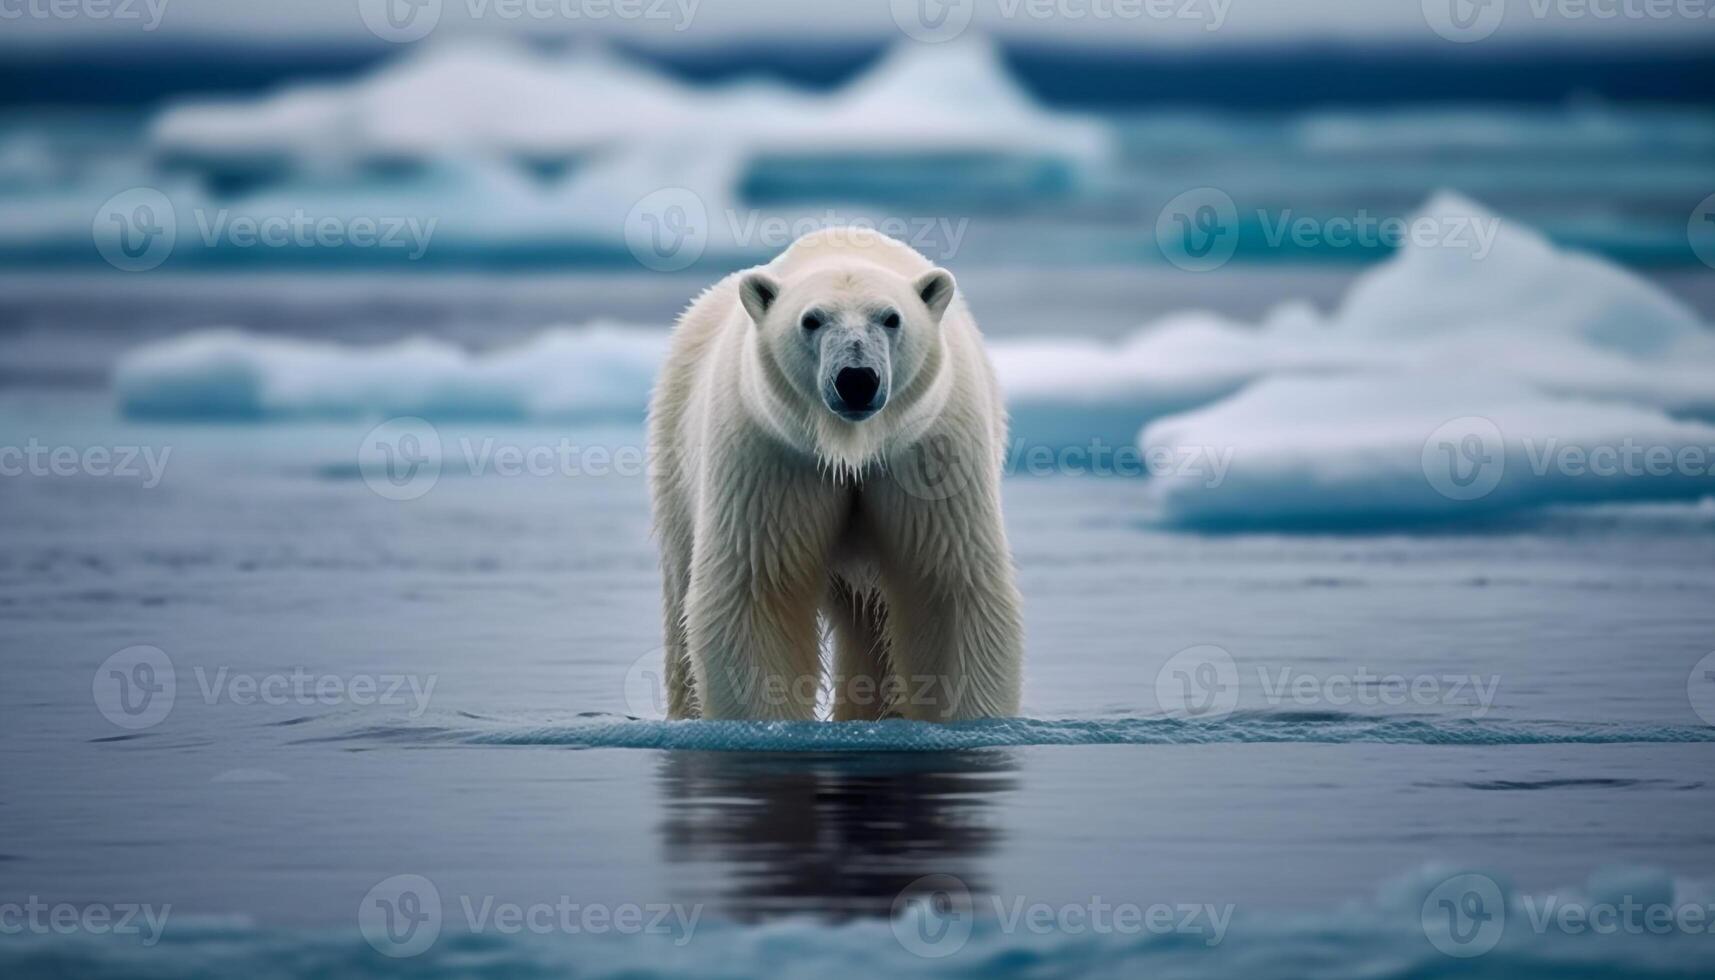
(52, 22)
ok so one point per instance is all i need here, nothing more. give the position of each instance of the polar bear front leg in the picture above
(955, 629)
(758, 573)
(858, 620)
(681, 696)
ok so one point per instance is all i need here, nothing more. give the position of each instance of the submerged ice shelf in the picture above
(613, 732)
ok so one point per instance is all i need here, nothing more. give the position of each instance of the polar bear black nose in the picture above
(857, 387)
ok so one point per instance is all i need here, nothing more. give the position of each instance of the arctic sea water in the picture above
(450, 698)
(293, 692)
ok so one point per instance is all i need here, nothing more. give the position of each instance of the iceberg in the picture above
(1067, 392)
(1542, 376)
(446, 101)
(524, 154)
(1578, 382)
(490, 99)
(1061, 393)
(1569, 324)
(1384, 448)
(1519, 284)
(593, 374)
(940, 99)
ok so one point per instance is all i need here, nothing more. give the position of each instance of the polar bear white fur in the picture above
(827, 436)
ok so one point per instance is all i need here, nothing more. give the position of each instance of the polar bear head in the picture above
(848, 335)
(847, 325)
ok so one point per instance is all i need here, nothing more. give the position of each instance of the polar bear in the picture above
(827, 437)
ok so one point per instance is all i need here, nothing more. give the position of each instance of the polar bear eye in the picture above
(891, 321)
(811, 321)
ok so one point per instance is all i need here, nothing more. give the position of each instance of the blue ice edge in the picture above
(912, 736)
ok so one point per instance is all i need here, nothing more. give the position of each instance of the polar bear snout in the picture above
(857, 388)
(855, 373)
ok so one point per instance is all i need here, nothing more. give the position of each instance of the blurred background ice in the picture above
(1317, 320)
(1383, 189)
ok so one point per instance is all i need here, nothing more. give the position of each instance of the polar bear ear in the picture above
(935, 288)
(758, 291)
